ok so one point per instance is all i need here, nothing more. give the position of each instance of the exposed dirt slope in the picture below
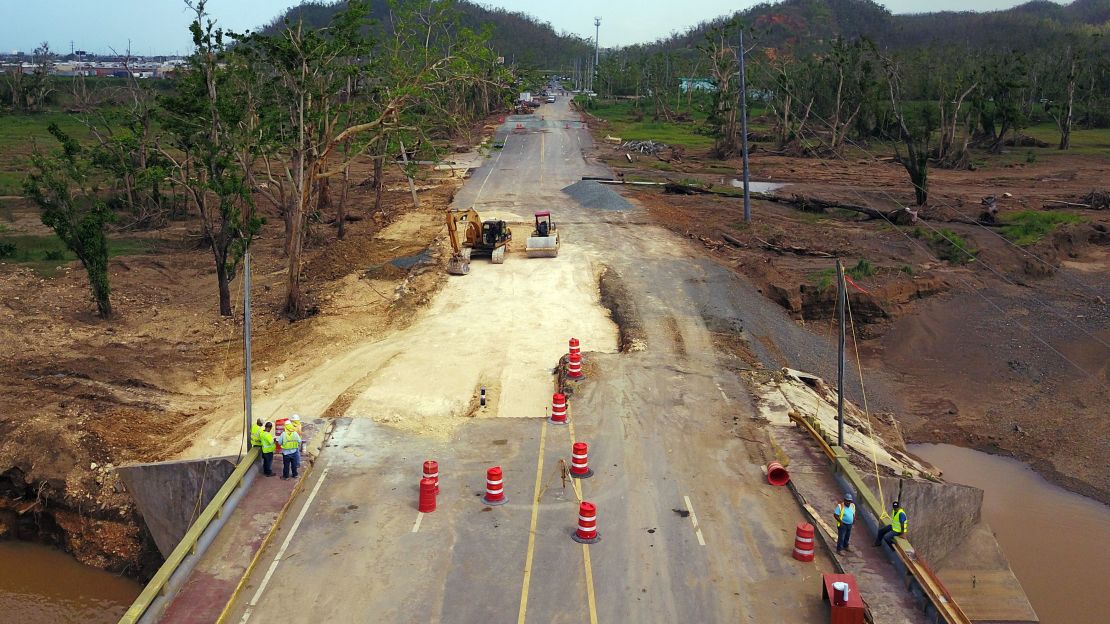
(1007, 353)
(86, 395)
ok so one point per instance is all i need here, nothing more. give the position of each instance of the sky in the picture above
(161, 26)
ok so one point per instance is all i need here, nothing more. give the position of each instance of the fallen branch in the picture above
(1064, 203)
(794, 249)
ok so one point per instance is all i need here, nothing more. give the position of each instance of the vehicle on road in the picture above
(544, 241)
(477, 239)
(551, 99)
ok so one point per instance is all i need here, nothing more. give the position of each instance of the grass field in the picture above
(18, 136)
(1029, 226)
(45, 254)
(623, 118)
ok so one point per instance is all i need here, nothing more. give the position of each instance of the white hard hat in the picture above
(296, 417)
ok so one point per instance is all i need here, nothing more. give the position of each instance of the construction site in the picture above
(574, 403)
(547, 383)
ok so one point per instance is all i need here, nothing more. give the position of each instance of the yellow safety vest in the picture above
(898, 521)
(255, 430)
(266, 441)
(290, 442)
(840, 514)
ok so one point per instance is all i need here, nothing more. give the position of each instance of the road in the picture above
(690, 530)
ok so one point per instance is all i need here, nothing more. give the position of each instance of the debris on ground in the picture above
(643, 147)
(1097, 200)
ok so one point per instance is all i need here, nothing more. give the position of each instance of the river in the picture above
(42, 585)
(1058, 542)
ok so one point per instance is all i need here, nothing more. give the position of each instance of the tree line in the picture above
(932, 102)
(277, 116)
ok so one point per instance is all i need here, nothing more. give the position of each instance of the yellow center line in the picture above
(541, 157)
(532, 530)
(591, 598)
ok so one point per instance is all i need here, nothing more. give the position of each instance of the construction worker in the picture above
(266, 442)
(256, 429)
(298, 426)
(899, 524)
(845, 513)
(290, 442)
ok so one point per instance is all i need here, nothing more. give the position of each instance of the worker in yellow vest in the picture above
(845, 514)
(256, 429)
(899, 524)
(266, 442)
(290, 442)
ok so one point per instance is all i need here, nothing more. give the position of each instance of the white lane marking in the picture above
(723, 395)
(492, 169)
(419, 519)
(694, 519)
(281, 552)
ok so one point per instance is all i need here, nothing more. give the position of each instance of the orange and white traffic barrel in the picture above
(574, 347)
(579, 461)
(574, 366)
(558, 409)
(431, 471)
(587, 524)
(495, 487)
(803, 542)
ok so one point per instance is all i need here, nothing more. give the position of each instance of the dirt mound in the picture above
(1070, 242)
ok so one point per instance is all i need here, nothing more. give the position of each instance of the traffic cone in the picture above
(428, 491)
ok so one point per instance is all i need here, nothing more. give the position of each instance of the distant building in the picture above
(697, 84)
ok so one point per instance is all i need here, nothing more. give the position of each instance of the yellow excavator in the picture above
(472, 237)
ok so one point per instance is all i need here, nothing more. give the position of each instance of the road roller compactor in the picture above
(544, 241)
(473, 238)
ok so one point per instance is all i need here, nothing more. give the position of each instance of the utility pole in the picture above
(841, 301)
(744, 131)
(247, 345)
(597, 39)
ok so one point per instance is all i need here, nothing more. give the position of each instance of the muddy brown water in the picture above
(42, 585)
(1058, 542)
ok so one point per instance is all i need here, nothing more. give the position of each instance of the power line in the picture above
(968, 284)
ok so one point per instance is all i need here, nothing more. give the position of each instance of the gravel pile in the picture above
(590, 194)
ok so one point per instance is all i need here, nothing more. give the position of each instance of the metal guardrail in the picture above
(187, 546)
(931, 586)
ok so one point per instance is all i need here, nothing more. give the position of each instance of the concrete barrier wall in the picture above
(170, 495)
(941, 515)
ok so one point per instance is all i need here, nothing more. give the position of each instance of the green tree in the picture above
(915, 130)
(64, 186)
(204, 120)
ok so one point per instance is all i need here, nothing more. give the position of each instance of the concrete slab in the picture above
(170, 495)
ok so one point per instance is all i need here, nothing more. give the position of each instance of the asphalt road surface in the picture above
(690, 530)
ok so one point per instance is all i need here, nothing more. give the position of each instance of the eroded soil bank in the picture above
(160, 379)
(1006, 352)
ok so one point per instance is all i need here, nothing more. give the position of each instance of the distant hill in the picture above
(516, 36)
(1028, 26)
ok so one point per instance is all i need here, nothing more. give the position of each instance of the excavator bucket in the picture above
(459, 264)
(542, 246)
